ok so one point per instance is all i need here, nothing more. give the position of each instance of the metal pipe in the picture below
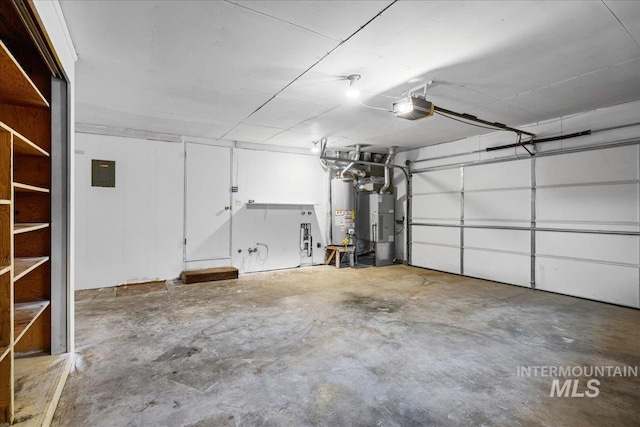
(598, 146)
(355, 157)
(362, 162)
(466, 153)
(323, 149)
(556, 230)
(387, 179)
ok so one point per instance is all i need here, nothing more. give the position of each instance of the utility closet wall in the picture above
(135, 232)
(566, 220)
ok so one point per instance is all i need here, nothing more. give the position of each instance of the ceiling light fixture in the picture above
(315, 149)
(353, 92)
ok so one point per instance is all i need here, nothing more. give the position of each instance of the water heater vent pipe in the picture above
(387, 178)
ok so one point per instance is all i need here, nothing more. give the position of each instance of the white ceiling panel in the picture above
(274, 72)
(330, 123)
(369, 126)
(252, 133)
(118, 87)
(493, 50)
(334, 19)
(285, 113)
(611, 86)
(206, 40)
(457, 98)
(160, 123)
(350, 122)
(294, 139)
(327, 83)
(628, 12)
(498, 110)
(420, 135)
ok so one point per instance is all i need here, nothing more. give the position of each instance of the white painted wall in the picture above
(288, 189)
(135, 232)
(590, 190)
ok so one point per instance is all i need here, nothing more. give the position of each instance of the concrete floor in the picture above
(389, 346)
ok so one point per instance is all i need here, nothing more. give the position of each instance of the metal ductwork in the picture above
(387, 177)
(356, 157)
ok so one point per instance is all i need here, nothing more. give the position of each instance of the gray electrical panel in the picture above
(375, 226)
(103, 173)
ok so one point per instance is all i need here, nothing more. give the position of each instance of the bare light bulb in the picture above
(315, 149)
(353, 92)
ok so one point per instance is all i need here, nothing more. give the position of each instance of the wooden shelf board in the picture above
(4, 351)
(26, 227)
(16, 87)
(22, 144)
(23, 266)
(5, 202)
(25, 313)
(19, 187)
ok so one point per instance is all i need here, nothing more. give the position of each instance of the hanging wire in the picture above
(374, 108)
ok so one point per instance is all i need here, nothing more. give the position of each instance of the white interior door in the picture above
(207, 202)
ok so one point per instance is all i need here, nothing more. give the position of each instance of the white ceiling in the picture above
(273, 72)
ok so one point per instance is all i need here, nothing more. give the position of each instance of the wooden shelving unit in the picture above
(25, 215)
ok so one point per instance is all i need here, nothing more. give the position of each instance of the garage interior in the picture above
(319, 213)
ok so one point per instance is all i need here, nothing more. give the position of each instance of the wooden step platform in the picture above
(209, 275)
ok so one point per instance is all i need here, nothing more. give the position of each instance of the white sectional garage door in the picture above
(565, 223)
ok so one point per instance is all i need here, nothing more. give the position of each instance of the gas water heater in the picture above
(343, 211)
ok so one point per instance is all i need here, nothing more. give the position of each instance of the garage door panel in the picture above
(436, 257)
(436, 182)
(598, 247)
(436, 206)
(601, 282)
(503, 205)
(436, 235)
(611, 164)
(514, 174)
(500, 240)
(615, 204)
(502, 267)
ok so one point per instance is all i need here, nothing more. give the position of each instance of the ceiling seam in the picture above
(313, 65)
(296, 125)
(280, 19)
(618, 19)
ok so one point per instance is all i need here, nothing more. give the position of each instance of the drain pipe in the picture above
(355, 157)
(387, 178)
